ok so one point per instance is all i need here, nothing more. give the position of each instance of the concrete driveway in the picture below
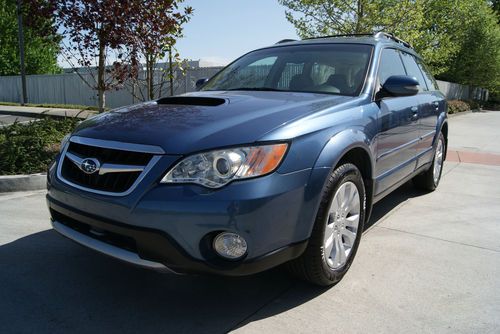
(427, 263)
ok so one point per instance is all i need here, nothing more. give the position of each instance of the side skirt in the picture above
(386, 192)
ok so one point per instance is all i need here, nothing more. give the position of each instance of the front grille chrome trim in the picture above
(104, 144)
(106, 168)
(107, 249)
(117, 145)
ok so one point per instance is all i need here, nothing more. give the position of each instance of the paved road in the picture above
(429, 263)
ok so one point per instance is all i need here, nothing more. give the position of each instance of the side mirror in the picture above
(401, 85)
(200, 83)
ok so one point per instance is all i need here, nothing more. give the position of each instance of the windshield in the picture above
(321, 68)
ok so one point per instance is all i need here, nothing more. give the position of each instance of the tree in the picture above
(41, 39)
(320, 17)
(159, 25)
(437, 29)
(495, 5)
(478, 61)
(100, 40)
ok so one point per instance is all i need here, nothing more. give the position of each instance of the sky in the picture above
(222, 30)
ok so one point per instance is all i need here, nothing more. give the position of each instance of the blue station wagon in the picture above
(277, 159)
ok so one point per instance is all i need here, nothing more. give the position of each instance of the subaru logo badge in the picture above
(90, 165)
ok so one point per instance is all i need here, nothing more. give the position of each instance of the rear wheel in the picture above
(337, 230)
(429, 180)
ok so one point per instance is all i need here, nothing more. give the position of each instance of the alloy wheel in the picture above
(342, 225)
(438, 161)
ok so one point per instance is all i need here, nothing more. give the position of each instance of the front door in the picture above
(398, 128)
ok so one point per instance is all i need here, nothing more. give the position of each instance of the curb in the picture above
(83, 114)
(11, 183)
(467, 112)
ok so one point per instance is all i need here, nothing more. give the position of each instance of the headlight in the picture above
(64, 141)
(217, 168)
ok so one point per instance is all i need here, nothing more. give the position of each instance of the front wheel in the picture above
(337, 230)
(429, 180)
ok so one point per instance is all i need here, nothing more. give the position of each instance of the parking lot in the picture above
(427, 263)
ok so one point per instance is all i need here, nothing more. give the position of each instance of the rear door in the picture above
(434, 104)
(398, 124)
(426, 109)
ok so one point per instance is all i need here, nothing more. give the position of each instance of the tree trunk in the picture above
(101, 86)
(149, 76)
(171, 71)
(359, 17)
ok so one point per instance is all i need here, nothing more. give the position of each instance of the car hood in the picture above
(204, 120)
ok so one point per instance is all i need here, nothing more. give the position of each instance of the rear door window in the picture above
(414, 71)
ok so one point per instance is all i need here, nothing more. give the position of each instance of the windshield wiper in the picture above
(263, 89)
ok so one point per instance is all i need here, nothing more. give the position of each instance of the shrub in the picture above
(456, 106)
(492, 105)
(474, 105)
(29, 148)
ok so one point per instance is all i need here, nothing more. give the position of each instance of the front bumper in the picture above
(153, 249)
(169, 227)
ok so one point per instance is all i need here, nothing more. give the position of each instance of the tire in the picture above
(322, 263)
(429, 180)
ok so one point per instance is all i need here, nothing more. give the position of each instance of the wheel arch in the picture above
(443, 128)
(350, 146)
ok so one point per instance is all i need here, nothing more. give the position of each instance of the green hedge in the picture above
(30, 147)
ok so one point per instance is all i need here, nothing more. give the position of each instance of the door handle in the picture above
(436, 104)
(414, 112)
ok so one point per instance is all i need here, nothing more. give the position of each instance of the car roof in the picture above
(352, 39)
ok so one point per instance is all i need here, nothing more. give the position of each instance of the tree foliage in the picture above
(495, 5)
(320, 17)
(99, 39)
(40, 37)
(442, 31)
(477, 62)
(109, 38)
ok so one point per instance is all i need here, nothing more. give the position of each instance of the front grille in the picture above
(112, 182)
(110, 155)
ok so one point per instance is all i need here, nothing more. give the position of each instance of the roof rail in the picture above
(392, 37)
(376, 35)
(341, 35)
(286, 40)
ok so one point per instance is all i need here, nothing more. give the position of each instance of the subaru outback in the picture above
(277, 159)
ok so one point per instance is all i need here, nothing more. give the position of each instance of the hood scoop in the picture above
(192, 101)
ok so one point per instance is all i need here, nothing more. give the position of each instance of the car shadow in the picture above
(391, 201)
(49, 284)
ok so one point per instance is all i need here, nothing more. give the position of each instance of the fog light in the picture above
(230, 245)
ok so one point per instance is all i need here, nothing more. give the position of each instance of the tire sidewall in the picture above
(341, 175)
